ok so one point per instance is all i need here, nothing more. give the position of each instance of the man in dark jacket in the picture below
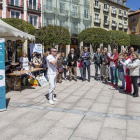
(72, 60)
(86, 63)
(97, 61)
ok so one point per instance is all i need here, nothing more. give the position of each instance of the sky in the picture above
(133, 4)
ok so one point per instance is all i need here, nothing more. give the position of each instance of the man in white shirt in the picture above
(52, 73)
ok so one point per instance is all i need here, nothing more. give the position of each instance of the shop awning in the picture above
(11, 33)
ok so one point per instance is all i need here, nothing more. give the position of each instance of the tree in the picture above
(119, 38)
(21, 25)
(94, 36)
(134, 40)
(54, 35)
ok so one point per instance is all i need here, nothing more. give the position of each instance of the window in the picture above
(48, 21)
(87, 26)
(96, 3)
(105, 6)
(120, 12)
(125, 13)
(15, 2)
(49, 4)
(86, 13)
(134, 28)
(125, 24)
(113, 22)
(75, 27)
(33, 20)
(86, 2)
(15, 14)
(75, 10)
(120, 23)
(62, 23)
(62, 7)
(105, 19)
(97, 17)
(133, 19)
(113, 10)
(32, 4)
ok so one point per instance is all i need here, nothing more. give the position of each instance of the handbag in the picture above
(61, 70)
(80, 65)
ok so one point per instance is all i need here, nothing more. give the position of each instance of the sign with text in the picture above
(2, 75)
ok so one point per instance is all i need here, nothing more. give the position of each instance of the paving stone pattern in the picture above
(85, 111)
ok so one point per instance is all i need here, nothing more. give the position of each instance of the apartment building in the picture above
(134, 22)
(110, 14)
(71, 14)
(28, 10)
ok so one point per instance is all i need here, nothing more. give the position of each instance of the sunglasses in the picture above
(54, 51)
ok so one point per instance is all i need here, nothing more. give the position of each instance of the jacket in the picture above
(97, 58)
(74, 59)
(104, 58)
(115, 59)
(45, 62)
(86, 58)
(125, 64)
(134, 67)
(59, 62)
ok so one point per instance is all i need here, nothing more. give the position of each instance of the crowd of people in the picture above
(112, 66)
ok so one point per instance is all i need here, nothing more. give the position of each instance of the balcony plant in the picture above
(54, 35)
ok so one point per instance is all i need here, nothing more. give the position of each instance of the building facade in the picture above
(28, 10)
(110, 14)
(134, 22)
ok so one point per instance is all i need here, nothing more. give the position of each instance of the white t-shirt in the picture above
(25, 63)
(112, 64)
(51, 68)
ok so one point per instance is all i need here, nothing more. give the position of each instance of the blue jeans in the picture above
(122, 78)
(113, 73)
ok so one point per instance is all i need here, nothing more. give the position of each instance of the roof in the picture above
(11, 33)
(134, 13)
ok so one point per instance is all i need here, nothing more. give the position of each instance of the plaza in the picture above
(85, 111)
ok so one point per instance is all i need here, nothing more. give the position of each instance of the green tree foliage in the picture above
(119, 38)
(21, 25)
(94, 36)
(54, 35)
(134, 40)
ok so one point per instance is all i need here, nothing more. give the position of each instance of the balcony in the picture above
(120, 14)
(125, 15)
(120, 26)
(34, 7)
(106, 23)
(19, 4)
(75, 31)
(97, 7)
(114, 24)
(75, 1)
(113, 12)
(106, 10)
(125, 27)
(49, 9)
(75, 15)
(97, 20)
(63, 12)
(86, 17)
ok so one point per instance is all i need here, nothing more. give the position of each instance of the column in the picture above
(43, 49)
(91, 49)
(25, 10)
(56, 47)
(109, 47)
(67, 49)
(25, 46)
(101, 46)
(81, 46)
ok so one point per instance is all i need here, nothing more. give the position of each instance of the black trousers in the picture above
(96, 70)
(84, 71)
(135, 84)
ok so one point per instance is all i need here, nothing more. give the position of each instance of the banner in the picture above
(2, 75)
(35, 48)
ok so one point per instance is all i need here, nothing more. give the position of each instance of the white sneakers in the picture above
(52, 101)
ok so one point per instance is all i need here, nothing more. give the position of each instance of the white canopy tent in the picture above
(11, 33)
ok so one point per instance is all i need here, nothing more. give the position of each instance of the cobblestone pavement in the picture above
(85, 111)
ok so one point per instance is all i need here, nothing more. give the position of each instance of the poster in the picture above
(42, 80)
(35, 48)
(2, 75)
